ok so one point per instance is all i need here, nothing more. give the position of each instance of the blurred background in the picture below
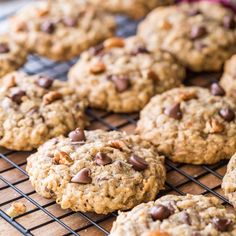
(7, 7)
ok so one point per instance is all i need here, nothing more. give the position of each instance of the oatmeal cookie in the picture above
(121, 75)
(133, 8)
(34, 109)
(229, 181)
(201, 35)
(11, 55)
(191, 125)
(97, 171)
(172, 215)
(61, 30)
(228, 80)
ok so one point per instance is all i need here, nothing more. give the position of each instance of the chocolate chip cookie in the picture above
(11, 55)
(191, 215)
(201, 35)
(191, 125)
(133, 8)
(61, 30)
(34, 109)
(121, 75)
(228, 80)
(97, 171)
(229, 183)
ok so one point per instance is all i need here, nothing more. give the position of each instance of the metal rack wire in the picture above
(45, 215)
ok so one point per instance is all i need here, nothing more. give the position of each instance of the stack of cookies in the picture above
(105, 171)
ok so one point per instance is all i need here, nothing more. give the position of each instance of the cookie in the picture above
(229, 183)
(11, 55)
(61, 30)
(201, 35)
(34, 109)
(191, 125)
(121, 75)
(228, 78)
(133, 8)
(190, 215)
(97, 171)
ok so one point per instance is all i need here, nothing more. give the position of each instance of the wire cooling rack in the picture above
(44, 216)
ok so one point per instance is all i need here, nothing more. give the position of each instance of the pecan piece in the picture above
(118, 144)
(62, 158)
(97, 68)
(186, 96)
(214, 126)
(114, 42)
(51, 97)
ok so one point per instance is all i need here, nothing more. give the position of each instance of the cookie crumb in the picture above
(16, 209)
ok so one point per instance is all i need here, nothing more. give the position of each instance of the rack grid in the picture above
(44, 216)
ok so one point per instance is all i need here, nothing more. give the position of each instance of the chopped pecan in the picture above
(97, 68)
(186, 96)
(114, 42)
(118, 144)
(51, 97)
(166, 25)
(10, 81)
(156, 233)
(62, 158)
(214, 126)
(42, 11)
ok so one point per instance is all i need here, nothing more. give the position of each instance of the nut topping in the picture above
(214, 126)
(51, 97)
(62, 158)
(97, 68)
(114, 42)
(118, 144)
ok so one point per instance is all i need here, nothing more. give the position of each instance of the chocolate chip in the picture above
(222, 225)
(185, 218)
(17, 96)
(122, 83)
(194, 12)
(96, 50)
(4, 48)
(82, 177)
(77, 135)
(174, 112)
(69, 21)
(198, 32)
(227, 114)
(45, 82)
(160, 212)
(102, 159)
(217, 90)
(139, 49)
(229, 22)
(138, 163)
(48, 27)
